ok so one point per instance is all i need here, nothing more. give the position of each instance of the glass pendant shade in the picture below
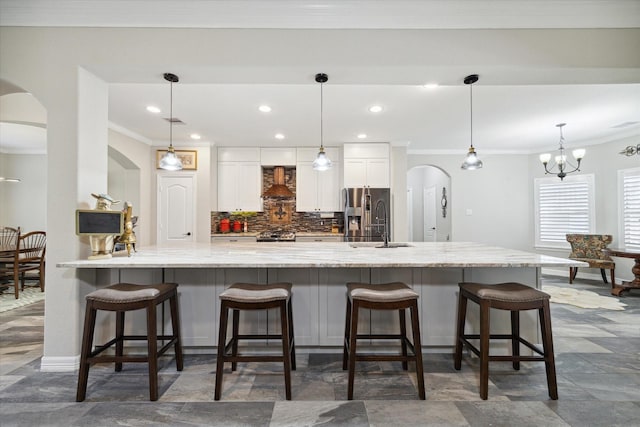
(170, 161)
(322, 162)
(471, 162)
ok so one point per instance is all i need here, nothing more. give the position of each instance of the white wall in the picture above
(422, 177)
(130, 172)
(24, 203)
(492, 205)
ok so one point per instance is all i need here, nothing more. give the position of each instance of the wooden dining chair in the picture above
(8, 240)
(29, 255)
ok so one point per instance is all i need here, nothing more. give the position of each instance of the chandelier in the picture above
(631, 150)
(562, 164)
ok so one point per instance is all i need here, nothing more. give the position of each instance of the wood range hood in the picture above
(278, 189)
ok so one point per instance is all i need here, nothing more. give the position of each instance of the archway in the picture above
(428, 204)
(23, 156)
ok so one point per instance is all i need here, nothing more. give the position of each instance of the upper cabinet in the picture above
(278, 156)
(366, 165)
(239, 179)
(317, 191)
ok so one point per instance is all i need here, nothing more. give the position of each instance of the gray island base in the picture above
(319, 272)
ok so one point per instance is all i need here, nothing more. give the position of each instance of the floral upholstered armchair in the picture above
(588, 248)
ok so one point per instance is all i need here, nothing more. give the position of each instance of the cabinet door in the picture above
(249, 186)
(378, 173)
(227, 186)
(329, 189)
(239, 186)
(306, 187)
(355, 172)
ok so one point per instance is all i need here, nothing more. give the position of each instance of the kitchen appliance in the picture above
(367, 215)
(276, 236)
(279, 188)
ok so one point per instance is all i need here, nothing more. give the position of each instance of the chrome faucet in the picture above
(385, 234)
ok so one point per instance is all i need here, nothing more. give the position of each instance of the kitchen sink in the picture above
(379, 245)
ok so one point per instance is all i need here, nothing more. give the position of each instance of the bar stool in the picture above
(249, 296)
(514, 297)
(388, 296)
(123, 297)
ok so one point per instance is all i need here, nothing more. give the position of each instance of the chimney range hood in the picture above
(278, 189)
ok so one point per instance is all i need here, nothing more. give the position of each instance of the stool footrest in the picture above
(466, 338)
(256, 358)
(372, 357)
(99, 349)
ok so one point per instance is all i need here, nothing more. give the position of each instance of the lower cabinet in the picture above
(336, 238)
(226, 238)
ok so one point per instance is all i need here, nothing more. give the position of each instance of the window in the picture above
(563, 207)
(629, 185)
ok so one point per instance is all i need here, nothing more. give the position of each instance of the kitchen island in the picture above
(319, 273)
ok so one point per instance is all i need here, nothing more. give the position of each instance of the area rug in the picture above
(583, 299)
(30, 295)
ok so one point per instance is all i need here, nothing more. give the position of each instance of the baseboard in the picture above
(59, 364)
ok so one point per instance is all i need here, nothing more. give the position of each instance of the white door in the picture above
(429, 201)
(175, 208)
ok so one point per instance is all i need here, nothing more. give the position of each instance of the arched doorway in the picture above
(428, 204)
(23, 156)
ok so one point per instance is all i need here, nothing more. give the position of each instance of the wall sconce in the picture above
(443, 202)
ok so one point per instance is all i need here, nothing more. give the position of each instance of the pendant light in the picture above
(322, 162)
(170, 161)
(472, 161)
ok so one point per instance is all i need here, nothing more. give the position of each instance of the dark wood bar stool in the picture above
(389, 296)
(249, 296)
(514, 297)
(123, 297)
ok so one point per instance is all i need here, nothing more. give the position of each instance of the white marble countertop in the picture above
(306, 255)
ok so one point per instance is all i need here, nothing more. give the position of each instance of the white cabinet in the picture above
(239, 179)
(317, 191)
(366, 165)
(278, 156)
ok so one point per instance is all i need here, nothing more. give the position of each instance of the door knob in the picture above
(433, 228)
(187, 234)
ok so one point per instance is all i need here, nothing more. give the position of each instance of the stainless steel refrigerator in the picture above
(367, 214)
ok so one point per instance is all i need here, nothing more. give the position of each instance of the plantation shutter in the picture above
(631, 208)
(563, 207)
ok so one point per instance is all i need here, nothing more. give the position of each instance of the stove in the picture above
(276, 236)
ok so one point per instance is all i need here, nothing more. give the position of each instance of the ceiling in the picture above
(515, 107)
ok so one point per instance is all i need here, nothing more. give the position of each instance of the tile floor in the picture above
(597, 358)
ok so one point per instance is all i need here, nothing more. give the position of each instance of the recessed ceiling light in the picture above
(153, 109)
(279, 136)
(362, 135)
(264, 108)
(195, 136)
(430, 85)
(375, 108)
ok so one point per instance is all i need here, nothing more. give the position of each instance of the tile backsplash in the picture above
(279, 213)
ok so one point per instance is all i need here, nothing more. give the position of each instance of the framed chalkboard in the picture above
(92, 222)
